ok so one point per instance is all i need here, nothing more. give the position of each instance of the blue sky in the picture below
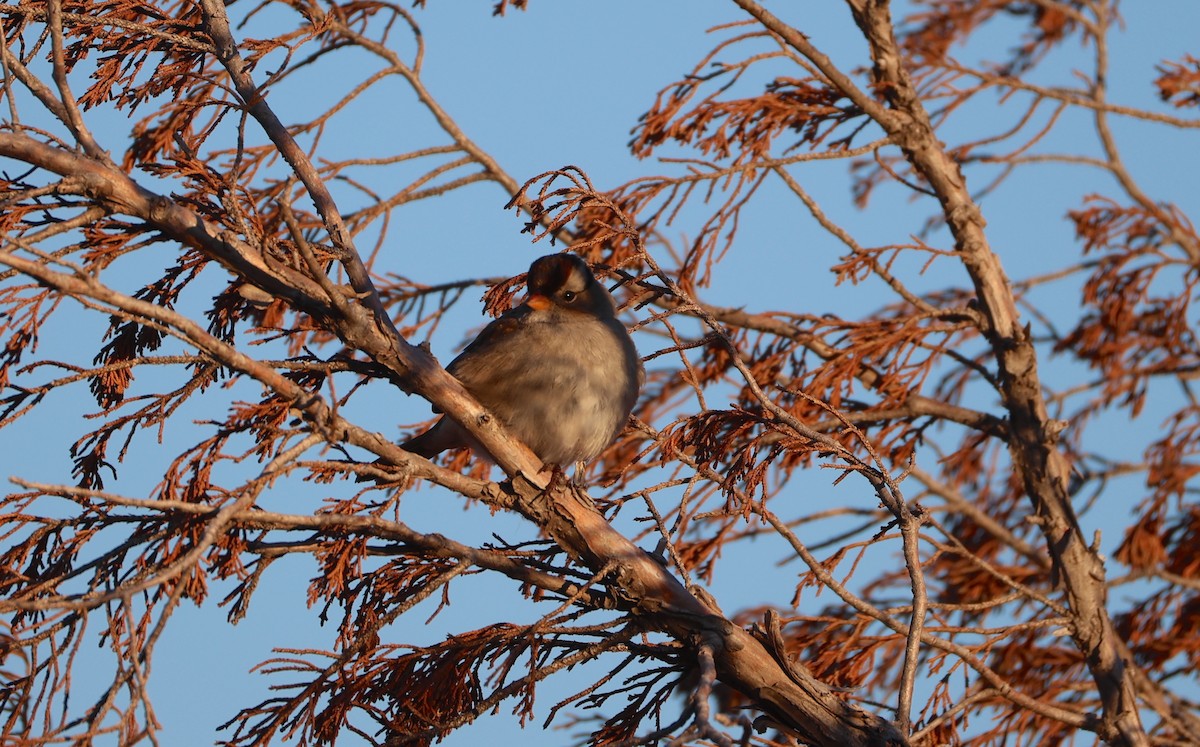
(564, 84)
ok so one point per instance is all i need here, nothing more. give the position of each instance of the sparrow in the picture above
(559, 370)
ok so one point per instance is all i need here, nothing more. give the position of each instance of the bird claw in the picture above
(574, 485)
(558, 477)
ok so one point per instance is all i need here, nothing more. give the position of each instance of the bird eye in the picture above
(568, 296)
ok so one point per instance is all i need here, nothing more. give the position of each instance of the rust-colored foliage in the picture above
(897, 476)
(1180, 82)
(1140, 321)
(937, 25)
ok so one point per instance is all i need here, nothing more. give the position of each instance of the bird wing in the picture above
(493, 334)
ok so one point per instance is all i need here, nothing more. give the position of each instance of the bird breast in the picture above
(569, 399)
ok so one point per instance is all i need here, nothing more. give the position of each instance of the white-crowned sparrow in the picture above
(560, 370)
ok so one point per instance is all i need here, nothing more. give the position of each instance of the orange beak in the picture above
(538, 302)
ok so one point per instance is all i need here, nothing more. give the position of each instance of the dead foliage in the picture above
(222, 266)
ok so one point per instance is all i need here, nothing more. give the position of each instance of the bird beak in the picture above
(538, 302)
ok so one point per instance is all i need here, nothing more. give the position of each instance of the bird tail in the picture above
(424, 444)
(442, 435)
(428, 444)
